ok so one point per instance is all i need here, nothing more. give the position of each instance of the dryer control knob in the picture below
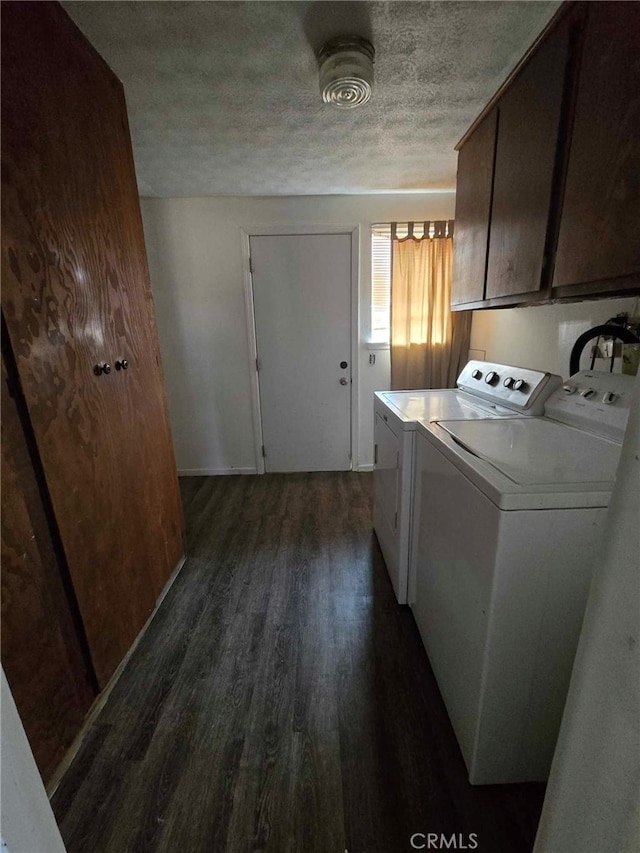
(520, 385)
(492, 378)
(609, 398)
(508, 382)
(569, 389)
(588, 392)
(477, 374)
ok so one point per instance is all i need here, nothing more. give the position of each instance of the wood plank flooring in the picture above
(280, 700)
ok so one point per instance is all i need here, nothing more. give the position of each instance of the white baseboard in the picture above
(213, 472)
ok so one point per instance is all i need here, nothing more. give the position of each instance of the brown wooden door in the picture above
(599, 243)
(43, 655)
(529, 117)
(76, 294)
(473, 211)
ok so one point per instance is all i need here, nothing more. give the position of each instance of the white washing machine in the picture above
(507, 518)
(485, 390)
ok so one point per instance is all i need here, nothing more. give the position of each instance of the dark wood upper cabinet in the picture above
(473, 211)
(565, 199)
(76, 294)
(529, 118)
(599, 240)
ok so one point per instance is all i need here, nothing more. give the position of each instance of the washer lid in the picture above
(436, 405)
(538, 452)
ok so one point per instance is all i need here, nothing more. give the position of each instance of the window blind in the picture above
(380, 282)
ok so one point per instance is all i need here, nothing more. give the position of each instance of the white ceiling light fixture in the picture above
(346, 71)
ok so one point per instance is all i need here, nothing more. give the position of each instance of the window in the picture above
(380, 283)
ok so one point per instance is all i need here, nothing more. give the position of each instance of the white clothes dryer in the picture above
(485, 390)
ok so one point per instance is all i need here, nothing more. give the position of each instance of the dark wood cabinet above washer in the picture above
(473, 211)
(565, 194)
(599, 241)
(528, 123)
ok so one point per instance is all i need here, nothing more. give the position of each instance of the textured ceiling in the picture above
(223, 96)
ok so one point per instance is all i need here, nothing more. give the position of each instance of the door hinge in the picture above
(395, 522)
(250, 264)
(264, 452)
(257, 365)
(375, 454)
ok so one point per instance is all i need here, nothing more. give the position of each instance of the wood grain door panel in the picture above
(42, 652)
(529, 117)
(473, 211)
(76, 293)
(598, 240)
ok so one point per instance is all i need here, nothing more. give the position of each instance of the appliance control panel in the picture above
(516, 388)
(593, 400)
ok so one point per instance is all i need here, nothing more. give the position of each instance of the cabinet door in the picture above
(599, 244)
(42, 650)
(75, 294)
(473, 210)
(529, 117)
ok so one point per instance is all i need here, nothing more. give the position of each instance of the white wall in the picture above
(194, 248)
(542, 336)
(28, 824)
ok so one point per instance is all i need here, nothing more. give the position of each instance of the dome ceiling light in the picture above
(346, 71)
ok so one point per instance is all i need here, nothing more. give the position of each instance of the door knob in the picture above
(122, 364)
(344, 381)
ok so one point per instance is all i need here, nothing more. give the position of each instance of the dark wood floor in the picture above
(280, 700)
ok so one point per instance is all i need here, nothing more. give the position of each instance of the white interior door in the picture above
(302, 308)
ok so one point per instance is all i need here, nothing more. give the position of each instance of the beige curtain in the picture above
(429, 342)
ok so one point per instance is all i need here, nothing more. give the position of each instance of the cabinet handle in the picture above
(99, 369)
(122, 364)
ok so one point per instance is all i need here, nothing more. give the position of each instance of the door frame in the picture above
(246, 232)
